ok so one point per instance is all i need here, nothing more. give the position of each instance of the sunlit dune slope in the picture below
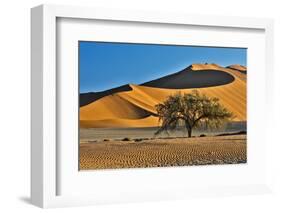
(87, 98)
(238, 67)
(119, 123)
(136, 106)
(111, 107)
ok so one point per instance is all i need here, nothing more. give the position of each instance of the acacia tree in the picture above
(191, 110)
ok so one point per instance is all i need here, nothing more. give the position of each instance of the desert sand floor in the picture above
(163, 152)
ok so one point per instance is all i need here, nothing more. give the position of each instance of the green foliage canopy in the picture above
(191, 110)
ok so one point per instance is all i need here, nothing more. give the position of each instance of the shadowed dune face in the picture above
(87, 98)
(188, 79)
(134, 105)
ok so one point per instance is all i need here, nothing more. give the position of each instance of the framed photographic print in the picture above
(200, 108)
(130, 106)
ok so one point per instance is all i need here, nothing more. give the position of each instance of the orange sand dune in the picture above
(136, 107)
(111, 107)
(238, 67)
(232, 69)
(205, 66)
(118, 122)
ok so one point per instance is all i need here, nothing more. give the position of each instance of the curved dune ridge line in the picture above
(205, 66)
(87, 98)
(111, 107)
(238, 67)
(190, 78)
(136, 107)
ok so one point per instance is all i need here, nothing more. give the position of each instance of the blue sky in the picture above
(105, 65)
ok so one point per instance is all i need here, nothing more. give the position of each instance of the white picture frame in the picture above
(44, 150)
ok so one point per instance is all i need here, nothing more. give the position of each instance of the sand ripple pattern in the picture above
(163, 152)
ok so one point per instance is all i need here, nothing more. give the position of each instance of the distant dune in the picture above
(238, 67)
(134, 105)
(87, 98)
(191, 78)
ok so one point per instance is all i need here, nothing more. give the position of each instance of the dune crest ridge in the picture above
(205, 66)
(238, 67)
(134, 105)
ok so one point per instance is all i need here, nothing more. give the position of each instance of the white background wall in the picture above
(15, 103)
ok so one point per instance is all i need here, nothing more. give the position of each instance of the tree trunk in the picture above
(189, 131)
(189, 128)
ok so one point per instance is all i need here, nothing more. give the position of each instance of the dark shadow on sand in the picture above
(184, 79)
(188, 79)
(87, 98)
